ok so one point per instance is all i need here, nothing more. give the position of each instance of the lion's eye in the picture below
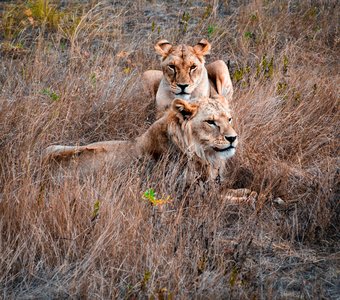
(193, 68)
(211, 122)
(230, 120)
(172, 68)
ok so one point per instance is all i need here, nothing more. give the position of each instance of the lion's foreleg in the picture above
(151, 80)
(219, 74)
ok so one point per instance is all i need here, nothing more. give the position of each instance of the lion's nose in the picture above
(231, 139)
(182, 86)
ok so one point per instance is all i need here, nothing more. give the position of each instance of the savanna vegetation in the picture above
(70, 73)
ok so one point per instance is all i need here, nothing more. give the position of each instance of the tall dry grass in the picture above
(82, 85)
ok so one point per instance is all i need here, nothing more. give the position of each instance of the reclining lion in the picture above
(185, 76)
(201, 131)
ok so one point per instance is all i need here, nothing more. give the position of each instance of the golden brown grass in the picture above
(80, 85)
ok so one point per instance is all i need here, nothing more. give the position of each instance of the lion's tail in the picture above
(60, 151)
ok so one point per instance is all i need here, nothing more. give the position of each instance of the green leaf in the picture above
(150, 194)
(93, 78)
(211, 30)
(146, 278)
(285, 64)
(249, 35)
(50, 93)
(233, 277)
(96, 206)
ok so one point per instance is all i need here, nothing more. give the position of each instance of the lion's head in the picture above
(203, 129)
(183, 66)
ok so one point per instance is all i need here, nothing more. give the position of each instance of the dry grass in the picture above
(79, 83)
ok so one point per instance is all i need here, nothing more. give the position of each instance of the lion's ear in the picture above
(163, 47)
(183, 109)
(202, 48)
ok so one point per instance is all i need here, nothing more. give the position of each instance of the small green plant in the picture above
(270, 72)
(13, 49)
(164, 294)
(186, 17)
(249, 35)
(265, 67)
(13, 20)
(93, 78)
(253, 17)
(202, 264)
(37, 14)
(311, 14)
(150, 196)
(285, 64)
(211, 30)
(63, 45)
(153, 26)
(207, 12)
(146, 278)
(297, 97)
(127, 70)
(281, 88)
(95, 211)
(185, 21)
(239, 74)
(42, 12)
(50, 93)
(233, 276)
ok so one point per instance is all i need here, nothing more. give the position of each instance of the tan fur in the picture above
(199, 130)
(183, 65)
